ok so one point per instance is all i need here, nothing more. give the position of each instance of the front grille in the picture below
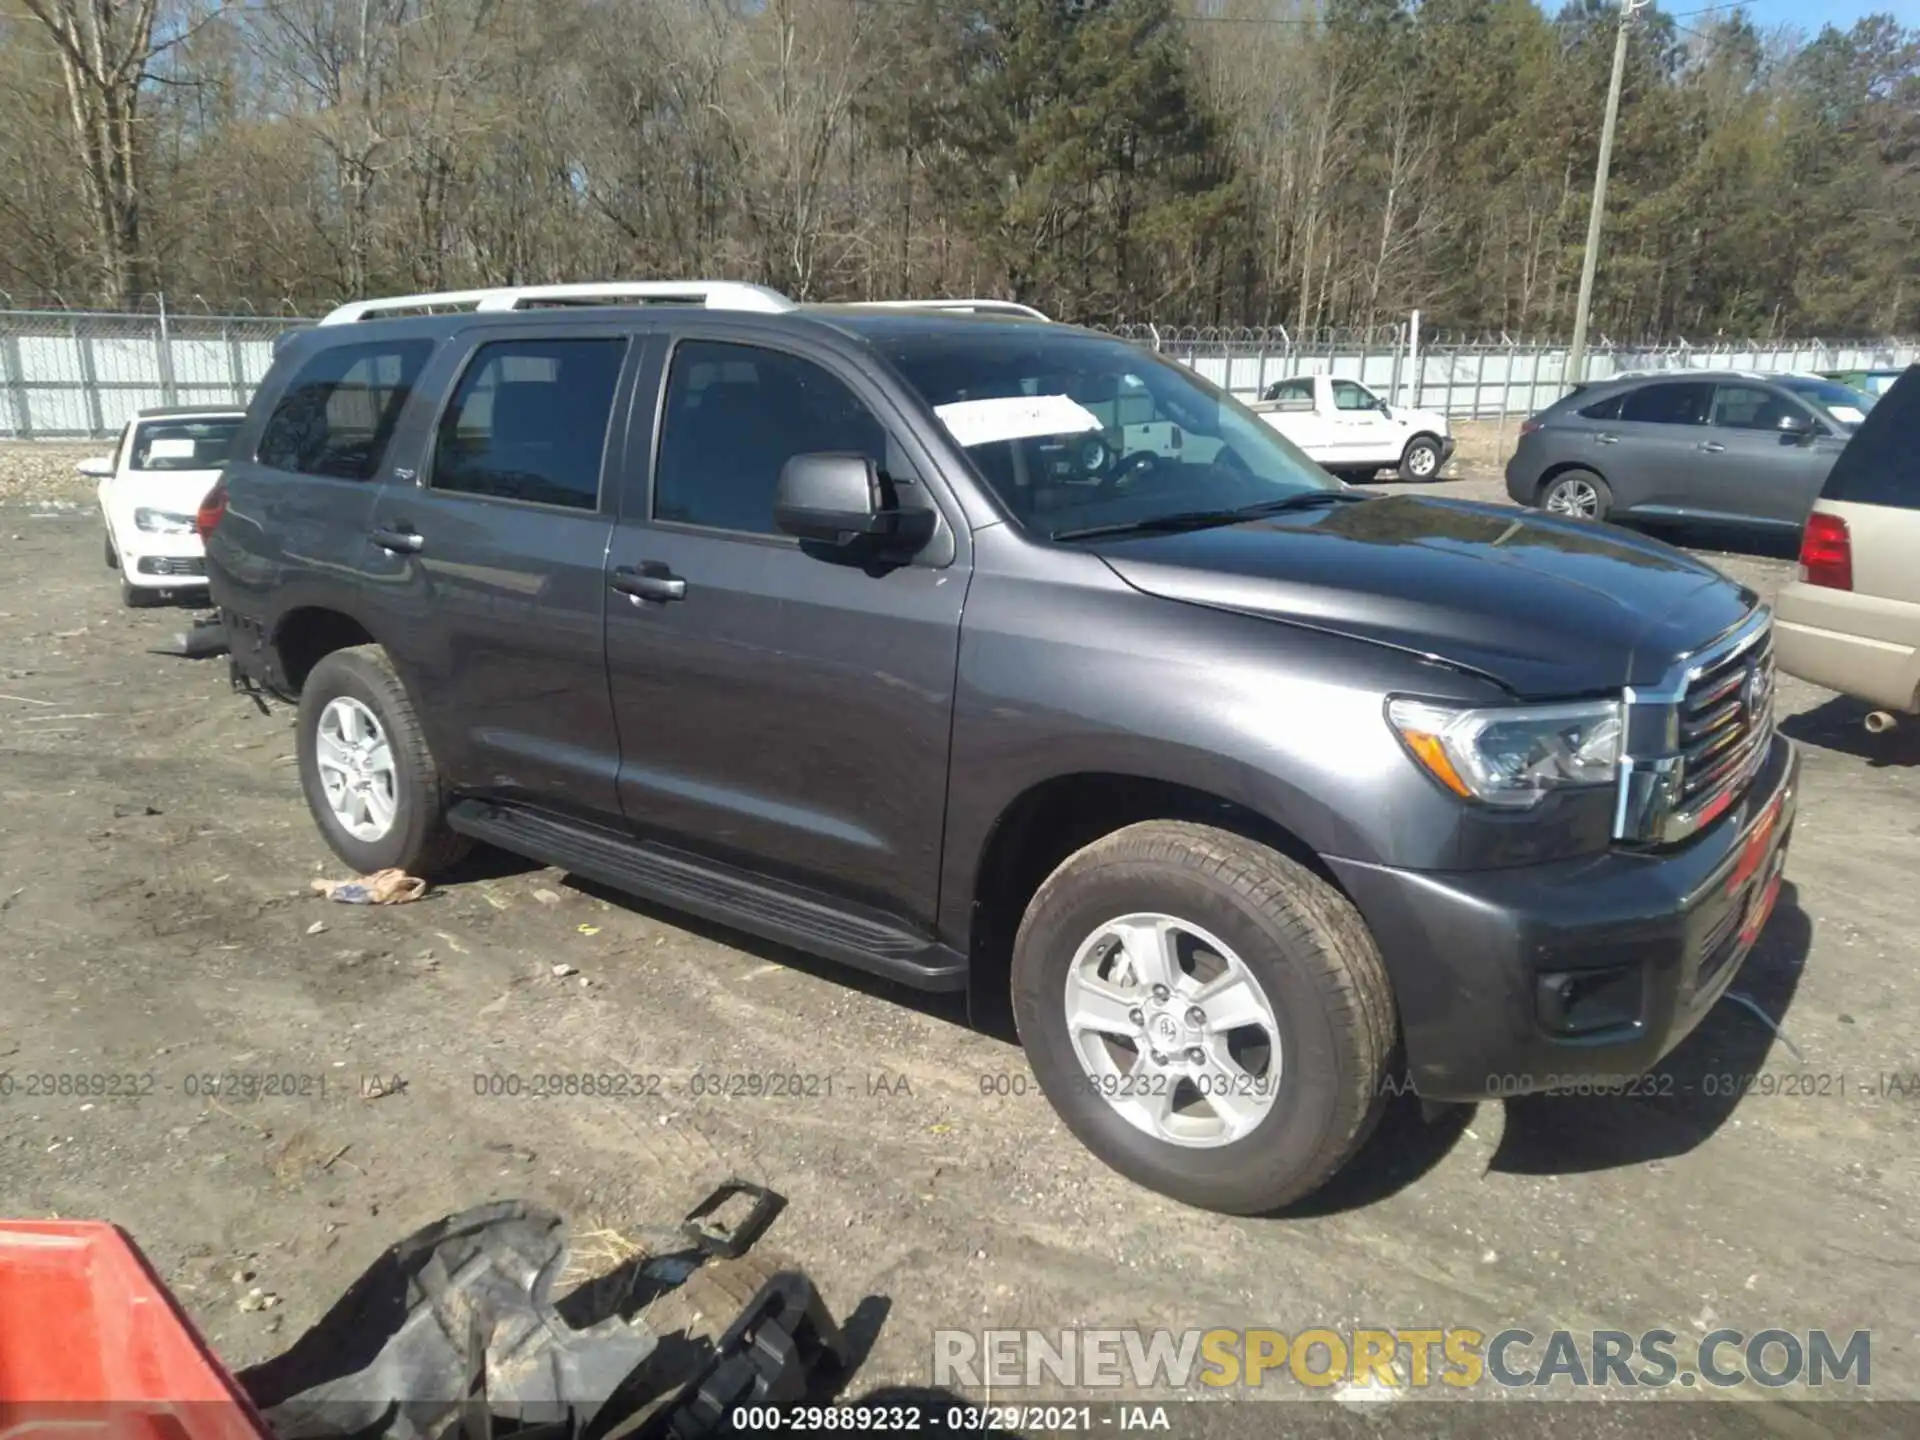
(1725, 720)
(1696, 739)
(172, 565)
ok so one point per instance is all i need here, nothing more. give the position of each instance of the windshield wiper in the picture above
(1204, 519)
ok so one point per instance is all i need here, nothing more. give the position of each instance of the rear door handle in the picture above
(650, 580)
(402, 541)
(1712, 447)
(1606, 439)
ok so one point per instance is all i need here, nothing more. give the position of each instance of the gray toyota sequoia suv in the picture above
(995, 655)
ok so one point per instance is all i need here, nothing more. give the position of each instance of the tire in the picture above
(1578, 494)
(1302, 944)
(416, 838)
(113, 557)
(1420, 461)
(137, 597)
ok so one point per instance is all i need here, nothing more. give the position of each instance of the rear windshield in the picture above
(1881, 464)
(182, 444)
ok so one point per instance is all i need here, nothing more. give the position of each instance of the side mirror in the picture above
(1385, 412)
(1795, 426)
(96, 467)
(836, 499)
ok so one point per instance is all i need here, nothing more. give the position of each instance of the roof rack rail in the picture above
(712, 294)
(975, 307)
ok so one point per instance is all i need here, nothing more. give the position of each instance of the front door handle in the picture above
(402, 540)
(1606, 439)
(1712, 447)
(650, 580)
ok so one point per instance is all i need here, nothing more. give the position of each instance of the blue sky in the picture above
(1809, 15)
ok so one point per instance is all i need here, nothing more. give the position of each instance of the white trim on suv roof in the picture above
(976, 307)
(712, 294)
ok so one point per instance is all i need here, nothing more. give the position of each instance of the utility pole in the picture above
(1577, 353)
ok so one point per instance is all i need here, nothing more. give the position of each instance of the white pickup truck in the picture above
(1345, 428)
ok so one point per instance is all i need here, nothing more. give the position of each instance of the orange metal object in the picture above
(93, 1347)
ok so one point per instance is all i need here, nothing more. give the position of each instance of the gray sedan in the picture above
(1697, 445)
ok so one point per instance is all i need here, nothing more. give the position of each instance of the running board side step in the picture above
(722, 895)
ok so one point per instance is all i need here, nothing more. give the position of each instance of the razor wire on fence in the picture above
(71, 374)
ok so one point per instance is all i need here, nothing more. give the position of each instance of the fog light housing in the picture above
(1587, 1002)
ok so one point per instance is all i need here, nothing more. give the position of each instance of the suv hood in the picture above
(1544, 607)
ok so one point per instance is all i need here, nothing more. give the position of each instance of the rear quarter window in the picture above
(1881, 464)
(338, 412)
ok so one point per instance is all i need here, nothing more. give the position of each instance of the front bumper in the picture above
(159, 561)
(1467, 952)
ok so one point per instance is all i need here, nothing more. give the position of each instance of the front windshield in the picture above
(1075, 431)
(1844, 403)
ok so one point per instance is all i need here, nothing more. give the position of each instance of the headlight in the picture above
(1512, 755)
(162, 522)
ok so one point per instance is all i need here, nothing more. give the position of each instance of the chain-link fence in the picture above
(1479, 376)
(83, 373)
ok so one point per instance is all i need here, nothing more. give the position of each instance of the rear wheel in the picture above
(1577, 494)
(1209, 1017)
(369, 779)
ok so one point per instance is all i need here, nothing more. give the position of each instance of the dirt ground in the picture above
(156, 924)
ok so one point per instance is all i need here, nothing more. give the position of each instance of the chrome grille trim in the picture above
(1696, 740)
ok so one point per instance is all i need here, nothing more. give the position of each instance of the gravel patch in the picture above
(40, 473)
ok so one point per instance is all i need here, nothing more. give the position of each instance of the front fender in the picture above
(1059, 680)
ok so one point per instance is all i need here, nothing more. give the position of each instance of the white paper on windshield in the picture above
(1847, 414)
(1015, 417)
(168, 447)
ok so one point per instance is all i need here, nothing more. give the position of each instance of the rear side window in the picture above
(1604, 409)
(338, 412)
(1881, 464)
(1669, 402)
(1292, 395)
(528, 421)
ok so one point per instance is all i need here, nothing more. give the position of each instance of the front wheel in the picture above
(1577, 494)
(1209, 1017)
(1420, 461)
(370, 782)
(113, 556)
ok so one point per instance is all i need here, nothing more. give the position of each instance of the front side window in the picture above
(1073, 430)
(338, 412)
(1669, 402)
(1349, 396)
(529, 420)
(184, 444)
(1752, 407)
(735, 415)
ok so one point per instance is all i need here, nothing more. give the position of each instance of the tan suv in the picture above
(1851, 621)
